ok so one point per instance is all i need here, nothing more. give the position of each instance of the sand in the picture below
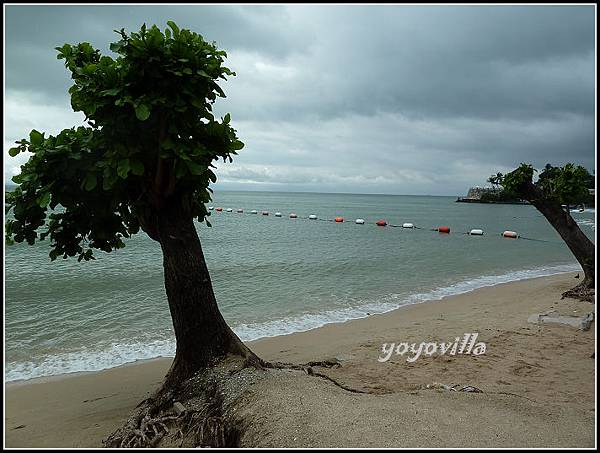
(537, 382)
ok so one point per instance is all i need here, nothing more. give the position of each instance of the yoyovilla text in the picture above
(466, 345)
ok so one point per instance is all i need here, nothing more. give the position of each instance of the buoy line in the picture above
(509, 234)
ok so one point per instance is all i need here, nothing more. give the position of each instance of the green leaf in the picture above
(90, 181)
(167, 144)
(111, 92)
(197, 102)
(174, 27)
(123, 168)
(218, 89)
(142, 111)
(195, 169)
(35, 137)
(14, 151)
(227, 119)
(137, 168)
(117, 46)
(43, 199)
(108, 181)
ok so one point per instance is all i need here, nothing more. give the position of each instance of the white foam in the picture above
(586, 222)
(587, 211)
(309, 321)
(85, 360)
(122, 353)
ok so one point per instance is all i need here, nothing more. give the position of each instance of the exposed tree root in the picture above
(584, 291)
(339, 384)
(146, 426)
(197, 412)
(327, 363)
(308, 369)
(192, 414)
(208, 426)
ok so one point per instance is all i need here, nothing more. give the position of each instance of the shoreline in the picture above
(485, 281)
(547, 365)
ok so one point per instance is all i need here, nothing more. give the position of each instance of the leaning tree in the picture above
(555, 187)
(144, 162)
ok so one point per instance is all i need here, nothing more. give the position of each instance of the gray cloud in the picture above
(380, 99)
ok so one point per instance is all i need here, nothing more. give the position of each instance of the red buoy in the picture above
(339, 219)
(444, 229)
(219, 209)
(510, 234)
(381, 223)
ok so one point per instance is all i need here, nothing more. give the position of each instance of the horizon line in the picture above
(6, 184)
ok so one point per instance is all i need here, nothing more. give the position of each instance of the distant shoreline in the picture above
(477, 200)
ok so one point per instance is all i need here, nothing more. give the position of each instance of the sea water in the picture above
(271, 275)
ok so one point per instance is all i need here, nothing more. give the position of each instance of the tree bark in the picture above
(579, 244)
(203, 337)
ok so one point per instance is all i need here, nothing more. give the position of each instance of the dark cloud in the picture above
(398, 99)
(32, 33)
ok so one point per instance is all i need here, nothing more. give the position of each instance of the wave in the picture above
(122, 353)
(586, 222)
(586, 211)
(309, 321)
(88, 361)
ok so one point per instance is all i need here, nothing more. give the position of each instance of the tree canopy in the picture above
(555, 187)
(566, 185)
(151, 138)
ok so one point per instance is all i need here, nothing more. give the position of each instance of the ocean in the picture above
(271, 275)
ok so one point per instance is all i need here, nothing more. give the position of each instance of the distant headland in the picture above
(479, 194)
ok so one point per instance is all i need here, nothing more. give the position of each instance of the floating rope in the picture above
(382, 223)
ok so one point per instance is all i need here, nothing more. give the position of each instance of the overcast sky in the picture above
(360, 99)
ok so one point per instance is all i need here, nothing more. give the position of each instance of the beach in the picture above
(536, 381)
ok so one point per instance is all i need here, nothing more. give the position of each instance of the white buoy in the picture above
(312, 217)
(254, 211)
(240, 210)
(476, 232)
(265, 213)
(278, 214)
(293, 215)
(229, 210)
(510, 234)
(407, 225)
(360, 221)
(210, 208)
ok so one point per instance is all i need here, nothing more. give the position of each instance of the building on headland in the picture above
(480, 194)
(475, 193)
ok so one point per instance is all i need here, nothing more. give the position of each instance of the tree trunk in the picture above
(202, 335)
(579, 244)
